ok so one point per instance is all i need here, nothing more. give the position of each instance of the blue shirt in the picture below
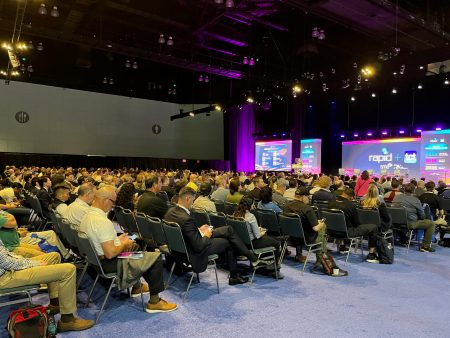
(269, 206)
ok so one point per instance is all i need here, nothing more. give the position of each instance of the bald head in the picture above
(105, 198)
(86, 192)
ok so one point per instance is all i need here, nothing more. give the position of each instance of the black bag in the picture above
(328, 267)
(385, 251)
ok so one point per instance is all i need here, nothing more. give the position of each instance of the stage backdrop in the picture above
(311, 155)
(66, 121)
(383, 157)
(435, 162)
(273, 155)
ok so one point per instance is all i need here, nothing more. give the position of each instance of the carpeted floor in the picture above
(407, 299)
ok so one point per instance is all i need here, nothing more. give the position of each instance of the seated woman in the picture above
(126, 196)
(234, 196)
(258, 235)
(372, 200)
(266, 201)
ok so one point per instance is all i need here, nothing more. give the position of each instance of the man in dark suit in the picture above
(149, 203)
(256, 192)
(202, 242)
(44, 194)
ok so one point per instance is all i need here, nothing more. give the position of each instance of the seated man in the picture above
(108, 245)
(149, 203)
(324, 193)
(16, 271)
(203, 202)
(221, 193)
(289, 194)
(354, 226)
(389, 196)
(44, 194)
(80, 207)
(314, 229)
(202, 242)
(62, 194)
(24, 243)
(416, 215)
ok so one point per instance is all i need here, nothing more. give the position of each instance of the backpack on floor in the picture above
(28, 322)
(328, 267)
(385, 251)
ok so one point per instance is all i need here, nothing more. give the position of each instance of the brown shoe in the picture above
(136, 291)
(161, 306)
(54, 309)
(77, 324)
(300, 259)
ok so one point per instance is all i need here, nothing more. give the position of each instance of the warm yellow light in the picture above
(218, 108)
(2, 72)
(15, 73)
(22, 46)
(250, 100)
(296, 89)
(368, 71)
(6, 45)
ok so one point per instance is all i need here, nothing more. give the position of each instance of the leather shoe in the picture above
(237, 280)
(300, 259)
(77, 324)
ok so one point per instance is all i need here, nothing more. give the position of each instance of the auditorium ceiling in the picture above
(222, 50)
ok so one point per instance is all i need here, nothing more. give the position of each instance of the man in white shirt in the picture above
(108, 246)
(78, 209)
(203, 202)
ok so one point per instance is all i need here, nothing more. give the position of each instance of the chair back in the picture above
(217, 219)
(290, 225)
(130, 222)
(144, 226)
(200, 217)
(163, 195)
(336, 224)
(36, 205)
(369, 216)
(268, 219)
(67, 232)
(151, 228)
(175, 239)
(230, 208)
(220, 206)
(320, 205)
(240, 227)
(399, 216)
(444, 204)
(55, 223)
(89, 252)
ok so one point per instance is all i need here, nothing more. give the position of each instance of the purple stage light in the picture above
(369, 133)
(384, 132)
(275, 135)
(225, 39)
(284, 134)
(438, 128)
(342, 135)
(401, 131)
(355, 135)
(418, 130)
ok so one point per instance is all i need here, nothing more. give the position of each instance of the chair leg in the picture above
(170, 275)
(349, 249)
(189, 286)
(409, 240)
(29, 296)
(306, 260)
(83, 272)
(217, 279)
(92, 290)
(106, 298)
(362, 251)
(275, 265)
(283, 252)
(142, 297)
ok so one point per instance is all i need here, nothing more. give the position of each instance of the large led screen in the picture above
(435, 162)
(383, 157)
(273, 155)
(310, 154)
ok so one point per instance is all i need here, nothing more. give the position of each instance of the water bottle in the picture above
(51, 325)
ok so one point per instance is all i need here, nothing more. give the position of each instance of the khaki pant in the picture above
(61, 280)
(51, 237)
(28, 250)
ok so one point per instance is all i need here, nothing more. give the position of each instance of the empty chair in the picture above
(217, 219)
(337, 228)
(400, 221)
(291, 225)
(177, 244)
(200, 217)
(240, 226)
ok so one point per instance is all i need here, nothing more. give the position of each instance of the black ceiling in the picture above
(93, 39)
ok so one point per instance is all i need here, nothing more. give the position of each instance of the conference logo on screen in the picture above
(410, 157)
(385, 156)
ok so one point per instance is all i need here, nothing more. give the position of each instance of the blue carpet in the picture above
(407, 299)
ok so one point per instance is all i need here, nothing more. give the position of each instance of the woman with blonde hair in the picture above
(372, 200)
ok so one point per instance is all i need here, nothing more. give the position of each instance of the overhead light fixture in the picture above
(446, 82)
(30, 45)
(170, 41)
(394, 91)
(420, 67)
(342, 135)
(42, 10)
(374, 95)
(161, 39)
(105, 80)
(206, 79)
(419, 86)
(384, 133)
(401, 131)
(251, 62)
(250, 99)
(321, 35)
(245, 61)
(296, 89)
(315, 32)
(200, 78)
(191, 114)
(418, 130)
(368, 71)
(111, 81)
(218, 108)
(30, 69)
(127, 64)
(40, 47)
(369, 133)
(355, 135)
(229, 3)
(54, 12)
(135, 65)
(352, 98)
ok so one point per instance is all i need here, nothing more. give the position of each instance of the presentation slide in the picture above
(310, 154)
(273, 155)
(434, 162)
(398, 157)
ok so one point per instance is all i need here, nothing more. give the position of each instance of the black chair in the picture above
(26, 289)
(320, 205)
(220, 206)
(291, 225)
(400, 222)
(200, 217)
(444, 204)
(268, 219)
(93, 259)
(177, 244)
(217, 219)
(152, 231)
(337, 228)
(230, 208)
(240, 226)
(372, 216)
(126, 220)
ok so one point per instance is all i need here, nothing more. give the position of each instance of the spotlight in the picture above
(218, 108)
(54, 12)
(438, 128)
(250, 99)
(342, 135)
(368, 71)
(446, 82)
(191, 114)
(206, 79)
(419, 86)
(394, 91)
(251, 62)
(420, 67)
(401, 131)
(374, 95)
(245, 61)
(42, 10)
(369, 133)
(384, 133)
(161, 39)
(353, 98)
(170, 41)
(135, 65)
(296, 89)
(355, 135)
(127, 64)
(418, 130)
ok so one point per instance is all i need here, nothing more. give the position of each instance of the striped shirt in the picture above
(12, 262)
